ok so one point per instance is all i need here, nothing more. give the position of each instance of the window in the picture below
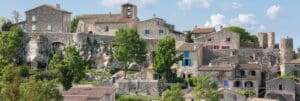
(209, 39)
(33, 18)
(252, 73)
(106, 29)
(228, 39)
(248, 84)
(225, 47)
(161, 31)
(49, 28)
(186, 54)
(225, 83)
(237, 84)
(33, 27)
(147, 31)
(280, 87)
(216, 47)
(186, 62)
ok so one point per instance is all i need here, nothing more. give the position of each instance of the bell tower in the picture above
(129, 11)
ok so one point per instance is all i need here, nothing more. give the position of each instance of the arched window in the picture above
(237, 84)
(242, 73)
(248, 84)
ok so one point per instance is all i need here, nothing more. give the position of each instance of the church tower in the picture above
(129, 11)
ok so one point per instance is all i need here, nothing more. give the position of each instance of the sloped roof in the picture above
(51, 7)
(105, 18)
(189, 46)
(203, 30)
(88, 92)
(295, 61)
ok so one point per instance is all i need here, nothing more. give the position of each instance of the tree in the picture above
(9, 83)
(101, 76)
(7, 25)
(247, 92)
(188, 37)
(74, 62)
(245, 37)
(205, 88)
(129, 47)
(173, 94)
(37, 90)
(74, 24)
(2, 21)
(164, 56)
(10, 43)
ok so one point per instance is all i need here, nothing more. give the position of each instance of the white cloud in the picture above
(247, 21)
(273, 11)
(236, 5)
(189, 4)
(116, 3)
(215, 20)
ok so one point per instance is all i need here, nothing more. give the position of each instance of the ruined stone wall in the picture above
(217, 57)
(281, 89)
(286, 49)
(139, 87)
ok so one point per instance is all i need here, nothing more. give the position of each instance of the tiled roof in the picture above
(105, 18)
(249, 66)
(52, 7)
(189, 46)
(87, 92)
(203, 30)
(224, 67)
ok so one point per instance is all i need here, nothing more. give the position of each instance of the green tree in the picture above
(129, 47)
(247, 92)
(37, 90)
(74, 24)
(245, 37)
(173, 94)
(76, 64)
(164, 57)
(206, 88)
(188, 37)
(101, 76)
(9, 83)
(7, 25)
(10, 43)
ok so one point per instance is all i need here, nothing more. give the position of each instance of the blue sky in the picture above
(280, 16)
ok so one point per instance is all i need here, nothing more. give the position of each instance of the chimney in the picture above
(58, 6)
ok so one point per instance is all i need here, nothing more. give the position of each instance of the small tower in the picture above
(286, 49)
(271, 40)
(129, 11)
(262, 39)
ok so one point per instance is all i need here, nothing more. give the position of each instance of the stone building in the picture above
(222, 39)
(281, 89)
(197, 32)
(266, 40)
(47, 19)
(90, 94)
(108, 24)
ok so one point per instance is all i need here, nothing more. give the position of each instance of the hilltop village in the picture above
(236, 69)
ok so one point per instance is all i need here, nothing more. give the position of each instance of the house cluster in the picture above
(215, 52)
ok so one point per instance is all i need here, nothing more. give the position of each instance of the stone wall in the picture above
(220, 40)
(46, 16)
(139, 87)
(281, 89)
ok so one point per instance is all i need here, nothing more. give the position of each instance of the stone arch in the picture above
(57, 47)
(237, 84)
(248, 84)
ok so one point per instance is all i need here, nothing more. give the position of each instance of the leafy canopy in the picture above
(129, 47)
(173, 94)
(245, 37)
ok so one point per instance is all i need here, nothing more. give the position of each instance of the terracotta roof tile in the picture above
(189, 46)
(203, 30)
(50, 6)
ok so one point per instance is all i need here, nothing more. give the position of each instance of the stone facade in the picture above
(47, 19)
(139, 87)
(281, 89)
(220, 40)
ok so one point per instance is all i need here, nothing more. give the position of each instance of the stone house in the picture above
(90, 94)
(281, 89)
(47, 19)
(197, 32)
(108, 24)
(192, 57)
(222, 39)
